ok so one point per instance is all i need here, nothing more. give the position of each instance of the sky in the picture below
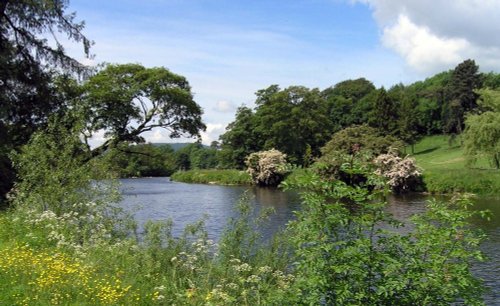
(229, 49)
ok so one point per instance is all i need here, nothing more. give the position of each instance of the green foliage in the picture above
(462, 98)
(240, 139)
(28, 65)
(53, 172)
(431, 95)
(348, 252)
(64, 242)
(120, 95)
(360, 138)
(346, 104)
(384, 115)
(290, 120)
(196, 156)
(213, 176)
(482, 133)
(141, 160)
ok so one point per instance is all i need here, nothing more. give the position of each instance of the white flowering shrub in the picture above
(267, 168)
(402, 173)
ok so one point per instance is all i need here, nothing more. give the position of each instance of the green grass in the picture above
(40, 268)
(213, 176)
(445, 170)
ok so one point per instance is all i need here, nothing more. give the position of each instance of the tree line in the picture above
(299, 121)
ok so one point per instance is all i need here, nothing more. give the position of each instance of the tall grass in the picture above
(36, 268)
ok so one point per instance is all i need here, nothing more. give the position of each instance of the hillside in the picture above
(445, 170)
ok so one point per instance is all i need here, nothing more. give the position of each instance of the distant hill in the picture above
(175, 145)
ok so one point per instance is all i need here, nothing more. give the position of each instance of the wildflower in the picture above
(265, 269)
(209, 296)
(243, 268)
(190, 292)
(160, 288)
(253, 279)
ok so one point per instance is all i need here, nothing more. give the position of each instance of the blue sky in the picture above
(230, 49)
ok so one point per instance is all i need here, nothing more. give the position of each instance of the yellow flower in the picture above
(208, 297)
(190, 292)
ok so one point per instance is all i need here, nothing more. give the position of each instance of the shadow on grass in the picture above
(427, 150)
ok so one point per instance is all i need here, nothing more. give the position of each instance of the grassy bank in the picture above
(213, 176)
(42, 264)
(445, 171)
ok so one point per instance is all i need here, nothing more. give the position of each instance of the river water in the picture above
(161, 199)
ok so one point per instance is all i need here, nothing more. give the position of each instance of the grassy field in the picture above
(213, 176)
(445, 171)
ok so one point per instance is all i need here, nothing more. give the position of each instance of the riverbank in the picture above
(44, 262)
(213, 176)
(443, 164)
(444, 168)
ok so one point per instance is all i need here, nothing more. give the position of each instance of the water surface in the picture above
(161, 199)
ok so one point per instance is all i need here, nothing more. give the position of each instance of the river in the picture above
(161, 199)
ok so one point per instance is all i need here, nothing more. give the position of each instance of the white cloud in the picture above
(224, 107)
(421, 49)
(432, 35)
(97, 139)
(212, 133)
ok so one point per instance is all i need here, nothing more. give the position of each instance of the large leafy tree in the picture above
(27, 90)
(293, 120)
(482, 132)
(344, 102)
(430, 95)
(128, 100)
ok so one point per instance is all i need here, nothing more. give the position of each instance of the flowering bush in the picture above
(267, 168)
(402, 173)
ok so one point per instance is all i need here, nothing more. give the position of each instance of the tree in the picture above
(482, 131)
(141, 160)
(408, 121)
(344, 98)
(350, 89)
(384, 113)
(28, 63)
(240, 139)
(462, 98)
(292, 119)
(360, 138)
(128, 100)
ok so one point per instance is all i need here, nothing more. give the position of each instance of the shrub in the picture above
(360, 138)
(349, 253)
(267, 168)
(402, 173)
